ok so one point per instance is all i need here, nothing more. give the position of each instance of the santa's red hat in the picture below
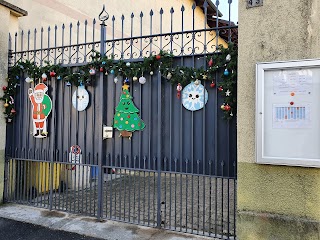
(41, 87)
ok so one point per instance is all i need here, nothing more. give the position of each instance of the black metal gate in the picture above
(179, 173)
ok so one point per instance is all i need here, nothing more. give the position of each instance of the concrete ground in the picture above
(11, 229)
(87, 226)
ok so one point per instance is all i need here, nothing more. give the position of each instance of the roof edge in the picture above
(19, 12)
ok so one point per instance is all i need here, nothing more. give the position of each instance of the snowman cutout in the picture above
(80, 98)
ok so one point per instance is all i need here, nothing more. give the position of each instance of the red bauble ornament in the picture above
(220, 89)
(212, 84)
(227, 108)
(291, 103)
(101, 69)
(4, 88)
(210, 63)
(13, 111)
(158, 57)
(52, 74)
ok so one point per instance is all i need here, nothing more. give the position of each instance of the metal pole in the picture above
(103, 17)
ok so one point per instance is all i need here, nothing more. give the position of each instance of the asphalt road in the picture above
(13, 230)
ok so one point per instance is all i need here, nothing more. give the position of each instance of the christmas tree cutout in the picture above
(126, 119)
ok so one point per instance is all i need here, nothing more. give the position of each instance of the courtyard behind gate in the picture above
(179, 173)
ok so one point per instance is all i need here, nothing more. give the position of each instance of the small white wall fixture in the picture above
(288, 113)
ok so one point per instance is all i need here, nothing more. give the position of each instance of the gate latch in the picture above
(107, 132)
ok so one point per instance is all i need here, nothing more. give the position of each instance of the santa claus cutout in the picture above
(41, 108)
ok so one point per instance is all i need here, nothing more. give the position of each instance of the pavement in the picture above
(26, 222)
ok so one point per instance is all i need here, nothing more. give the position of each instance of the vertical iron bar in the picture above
(85, 41)
(100, 120)
(93, 33)
(78, 27)
(204, 159)
(113, 20)
(70, 42)
(15, 47)
(151, 40)
(55, 47)
(159, 145)
(131, 34)
(122, 32)
(141, 33)
(161, 13)
(48, 46)
(229, 24)
(217, 24)
(51, 179)
(28, 44)
(62, 44)
(21, 43)
(171, 30)
(41, 46)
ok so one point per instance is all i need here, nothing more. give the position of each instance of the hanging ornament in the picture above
(112, 71)
(212, 84)
(11, 100)
(92, 71)
(126, 118)
(80, 98)
(41, 108)
(169, 75)
(4, 88)
(88, 83)
(231, 114)
(210, 63)
(228, 58)
(228, 93)
(204, 76)
(227, 107)
(59, 77)
(151, 73)
(106, 73)
(128, 64)
(194, 97)
(220, 89)
(17, 77)
(52, 74)
(197, 82)
(179, 89)
(44, 77)
(101, 69)
(6, 104)
(115, 80)
(223, 107)
(158, 57)
(126, 81)
(226, 72)
(68, 84)
(28, 80)
(134, 78)
(13, 111)
(142, 80)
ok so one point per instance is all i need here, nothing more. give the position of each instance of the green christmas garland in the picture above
(225, 60)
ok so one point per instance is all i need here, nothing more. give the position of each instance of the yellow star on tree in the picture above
(125, 87)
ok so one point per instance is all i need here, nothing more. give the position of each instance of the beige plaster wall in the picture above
(9, 22)
(277, 31)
